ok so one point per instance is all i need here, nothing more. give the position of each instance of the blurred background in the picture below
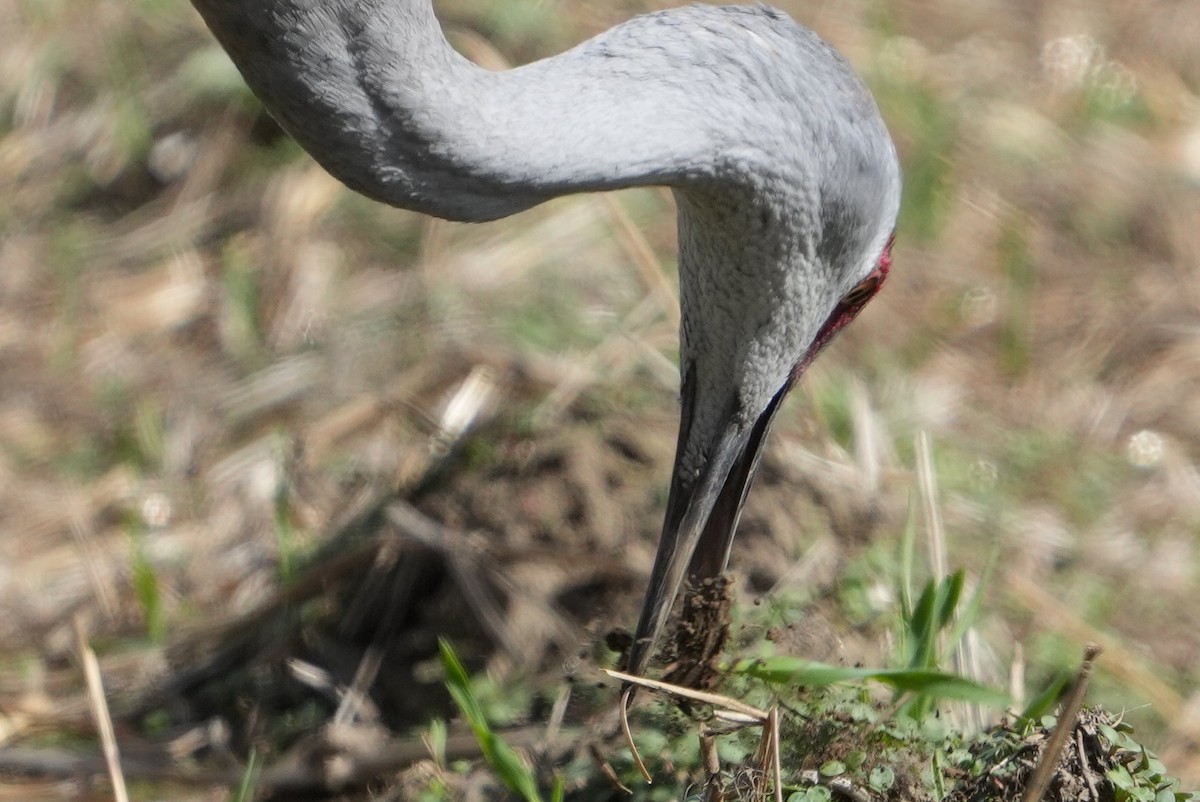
(213, 356)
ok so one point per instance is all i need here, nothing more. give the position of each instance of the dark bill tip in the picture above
(702, 516)
(690, 506)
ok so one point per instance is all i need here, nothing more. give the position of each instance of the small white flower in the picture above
(1145, 449)
(156, 510)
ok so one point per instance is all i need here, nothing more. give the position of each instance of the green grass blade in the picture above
(245, 791)
(505, 762)
(908, 549)
(148, 592)
(1045, 701)
(459, 685)
(936, 684)
(949, 595)
(974, 607)
(922, 630)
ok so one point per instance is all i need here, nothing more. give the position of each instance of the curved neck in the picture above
(787, 180)
(374, 92)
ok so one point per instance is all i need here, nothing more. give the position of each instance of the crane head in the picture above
(747, 337)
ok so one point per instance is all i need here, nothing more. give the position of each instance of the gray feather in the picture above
(786, 180)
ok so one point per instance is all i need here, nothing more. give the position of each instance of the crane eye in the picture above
(861, 293)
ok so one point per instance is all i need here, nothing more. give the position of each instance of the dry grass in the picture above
(213, 355)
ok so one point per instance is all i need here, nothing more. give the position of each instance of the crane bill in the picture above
(702, 515)
(688, 512)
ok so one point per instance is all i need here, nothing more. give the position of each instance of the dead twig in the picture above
(606, 769)
(100, 714)
(1048, 763)
(727, 709)
(637, 758)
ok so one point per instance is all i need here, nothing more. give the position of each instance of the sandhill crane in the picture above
(785, 178)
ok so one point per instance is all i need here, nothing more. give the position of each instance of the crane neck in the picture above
(374, 92)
